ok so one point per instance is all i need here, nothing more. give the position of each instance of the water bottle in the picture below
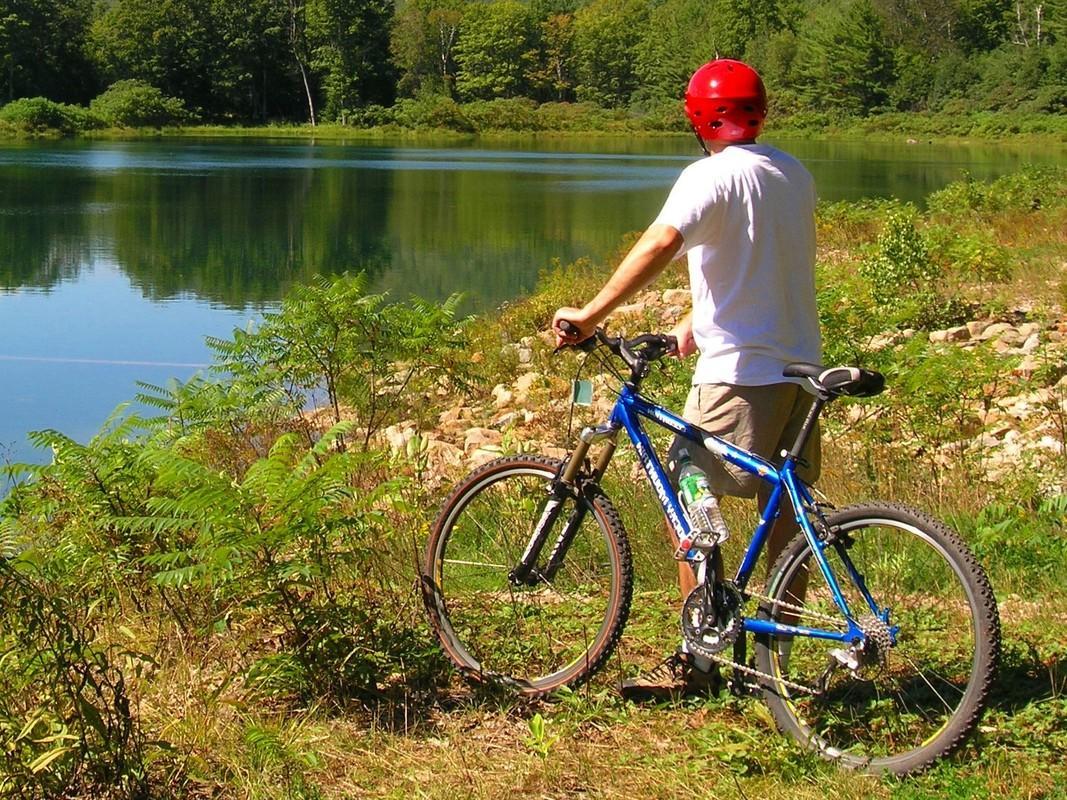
(709, 528)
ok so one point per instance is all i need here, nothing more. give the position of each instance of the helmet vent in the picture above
(753, 122)
(721, 109)
(750, 108)
(716, 123)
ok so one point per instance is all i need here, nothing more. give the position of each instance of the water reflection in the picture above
(235, 223)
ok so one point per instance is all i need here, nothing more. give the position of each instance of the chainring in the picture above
(711, 620)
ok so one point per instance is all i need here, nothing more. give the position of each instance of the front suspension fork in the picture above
(571, 483)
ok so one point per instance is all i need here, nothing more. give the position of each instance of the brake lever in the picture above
(586, 345)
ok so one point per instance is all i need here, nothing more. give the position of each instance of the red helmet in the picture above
(726, 100)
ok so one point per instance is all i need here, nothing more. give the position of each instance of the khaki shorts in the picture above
(762, 419)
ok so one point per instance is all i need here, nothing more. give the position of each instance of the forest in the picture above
(368, 62)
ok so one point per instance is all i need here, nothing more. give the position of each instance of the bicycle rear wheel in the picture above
(531, 638)
(903, 706)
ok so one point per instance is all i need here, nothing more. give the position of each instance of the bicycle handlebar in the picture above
(638, 352)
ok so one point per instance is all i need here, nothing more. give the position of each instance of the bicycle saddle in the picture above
(838, 381)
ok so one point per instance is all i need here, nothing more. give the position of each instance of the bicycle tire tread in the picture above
(962, 725)
(618, 532)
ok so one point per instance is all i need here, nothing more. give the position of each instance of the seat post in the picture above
(808, 427)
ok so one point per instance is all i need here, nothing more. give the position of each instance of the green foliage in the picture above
(1021, 540)
(514, 114)
(40, 115)
(494, 50)
(291, 540)
(1029, 189)
(975, 258)
(845, 61)
(900, 272)
(350, 46)
(332, 337)
(606, 33)
(135, 104)
(66, 718)
(432, 111)
(938, 394)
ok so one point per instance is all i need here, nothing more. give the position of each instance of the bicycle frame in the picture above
(627, 414)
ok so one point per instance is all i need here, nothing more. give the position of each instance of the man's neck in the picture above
(717, 146)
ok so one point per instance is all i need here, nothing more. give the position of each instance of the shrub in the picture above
(513, 114)
(365, 354)
(432, 111)
(137, 104)
(1027, 190)
(40, 115)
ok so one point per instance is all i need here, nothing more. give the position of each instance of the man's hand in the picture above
(578, 319)
(683, 332)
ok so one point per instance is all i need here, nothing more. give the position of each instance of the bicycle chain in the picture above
(726, 662)
(792, 607)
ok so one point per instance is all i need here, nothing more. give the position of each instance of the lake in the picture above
(118, 258)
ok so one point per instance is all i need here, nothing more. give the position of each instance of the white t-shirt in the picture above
(747, 216)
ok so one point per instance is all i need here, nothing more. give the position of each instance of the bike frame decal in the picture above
(627, 413)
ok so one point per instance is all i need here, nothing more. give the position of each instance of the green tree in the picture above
(981, 24)
(255, 78)
(42, 49)
(350, 50)
(494, 50)
(173, 46)
(423, 42)
(606, 35)
(552, 76)
(845, 61)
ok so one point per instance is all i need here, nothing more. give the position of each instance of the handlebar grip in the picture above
(568, 327)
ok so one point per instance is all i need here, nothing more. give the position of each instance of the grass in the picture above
(232, 728)
(462, 744)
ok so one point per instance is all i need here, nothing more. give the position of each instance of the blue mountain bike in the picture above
(876, 638)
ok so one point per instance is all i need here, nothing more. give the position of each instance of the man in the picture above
(744, 218)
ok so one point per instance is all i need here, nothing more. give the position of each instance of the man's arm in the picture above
(648, 258)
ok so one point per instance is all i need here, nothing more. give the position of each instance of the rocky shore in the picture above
(1022, 421)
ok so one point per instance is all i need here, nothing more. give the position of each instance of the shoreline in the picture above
(914, 129)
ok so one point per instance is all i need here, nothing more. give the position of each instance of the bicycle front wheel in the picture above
(532, 636)
(882, 707)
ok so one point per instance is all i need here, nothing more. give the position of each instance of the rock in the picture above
(978, 327)
(1027, 367)
(476, 438)
(994, 330)
(1028, 329)
(1011, 337)
(680, 297)
(506, 420)
(525, 382)
(1031, 344)
(397, 436)
(960, 333)
(444, 453)
(525, 355)
(936, 337)
(631, 310)
(483, 455)
(454, 414)
(502, 396)
(882, 341)
(1048, 443)
(1056, 337)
